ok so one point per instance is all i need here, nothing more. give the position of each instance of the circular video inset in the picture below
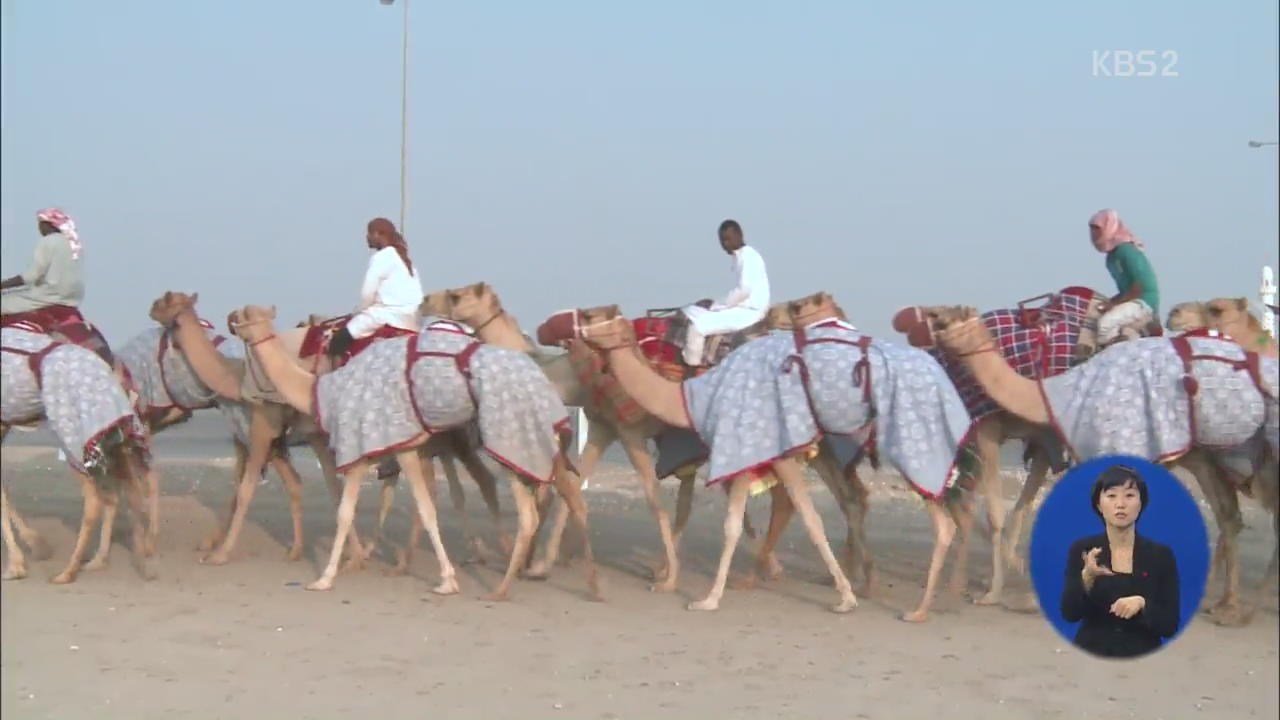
(1119, 557)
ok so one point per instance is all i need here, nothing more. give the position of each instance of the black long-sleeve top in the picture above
(1154, 577)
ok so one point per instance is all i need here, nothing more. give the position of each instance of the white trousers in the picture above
(720, 321)
(1134, 313)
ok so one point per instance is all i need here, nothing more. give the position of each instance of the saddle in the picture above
(661, 335)
(320, 332)
(65, 325)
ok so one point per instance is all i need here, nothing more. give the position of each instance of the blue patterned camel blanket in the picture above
(75, 392)
(441, 379)
(786, 390)
(1132, 399)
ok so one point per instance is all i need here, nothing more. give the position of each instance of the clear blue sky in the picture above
(583, 153)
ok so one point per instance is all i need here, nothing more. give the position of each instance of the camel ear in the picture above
(194, 297)
(477, 288)
(612, 311)
(1242, 303)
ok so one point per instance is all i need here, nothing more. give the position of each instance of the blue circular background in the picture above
(1172, 517)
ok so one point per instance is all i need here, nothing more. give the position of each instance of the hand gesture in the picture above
(1091, 567)
(1127, 607)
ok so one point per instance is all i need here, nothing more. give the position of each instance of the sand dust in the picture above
(246, 641)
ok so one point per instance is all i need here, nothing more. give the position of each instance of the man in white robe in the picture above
(746, 304)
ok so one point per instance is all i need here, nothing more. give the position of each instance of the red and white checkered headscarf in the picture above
(65, 225)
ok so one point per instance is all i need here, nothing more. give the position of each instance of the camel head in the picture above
(436, 304)
(476, 304)
(604, 328)
(778, 317)
(166, 309)
(1187, 316)
(959, 329)
(920, 323)
(252, 323)
(813, 308)
(1226, 314)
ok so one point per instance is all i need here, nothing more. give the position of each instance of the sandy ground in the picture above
(246, 641)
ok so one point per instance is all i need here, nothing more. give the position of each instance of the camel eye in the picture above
(1215, 311)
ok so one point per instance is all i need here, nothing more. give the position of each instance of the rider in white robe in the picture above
(746, 305)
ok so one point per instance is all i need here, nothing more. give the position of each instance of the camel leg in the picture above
(961, 510)
(292, 485)
(790, 474)
(214, 539)
(1014, 559)
(859, 554)
(540, 569)
(110, 506)
(261, 437)
(944, 529)
(16, 568)
(329, 467)
(1226, 512)
(684, 504)
(488, 486)
(600, 436)
(526, 522)
(638, 454)
(737, 505)
(989, 451)
(569, 485)
(143, 561)
(153, 512)
(1229, 610)
(346, 517)
(40, 550)
(405, 554)
(767, 564)
(89, 518)
(421, 477)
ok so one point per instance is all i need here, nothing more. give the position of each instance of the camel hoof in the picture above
(95, 564)
(666, 586)
(147, 569)
(208, 544)
(448, 586)
(772, 569)
(991, 598)
(294, 554)
(323, 583)
(1229, 615)
(743, 582)
(214, 558)
(495, 597)
(396, 571)
(63, 578)
(40, 550)
(14, 572)
(355, 563)
(150, 545)
(537, 571)
(916, 616)
(846, 605)
(707, 604)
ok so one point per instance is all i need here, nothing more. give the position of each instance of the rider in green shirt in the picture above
(1138, 300)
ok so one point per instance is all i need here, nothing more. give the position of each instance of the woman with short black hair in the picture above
(1121, 587)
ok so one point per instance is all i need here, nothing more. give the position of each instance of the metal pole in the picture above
(404, 117)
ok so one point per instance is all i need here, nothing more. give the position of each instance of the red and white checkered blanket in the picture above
(1038, 342)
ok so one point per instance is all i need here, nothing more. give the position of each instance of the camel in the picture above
(1176, 377)
(231, 378)
(82, 400)
(713, 403)
(480, 307)
(398, 393)
(1229, 316)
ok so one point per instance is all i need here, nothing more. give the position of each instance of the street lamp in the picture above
(404, 108)
(1252, 143)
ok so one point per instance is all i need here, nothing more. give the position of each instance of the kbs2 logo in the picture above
(1127, 63)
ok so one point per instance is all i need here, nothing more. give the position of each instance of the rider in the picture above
(54, 279)
(1139, 298)
(745, 306)
(391, 293)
